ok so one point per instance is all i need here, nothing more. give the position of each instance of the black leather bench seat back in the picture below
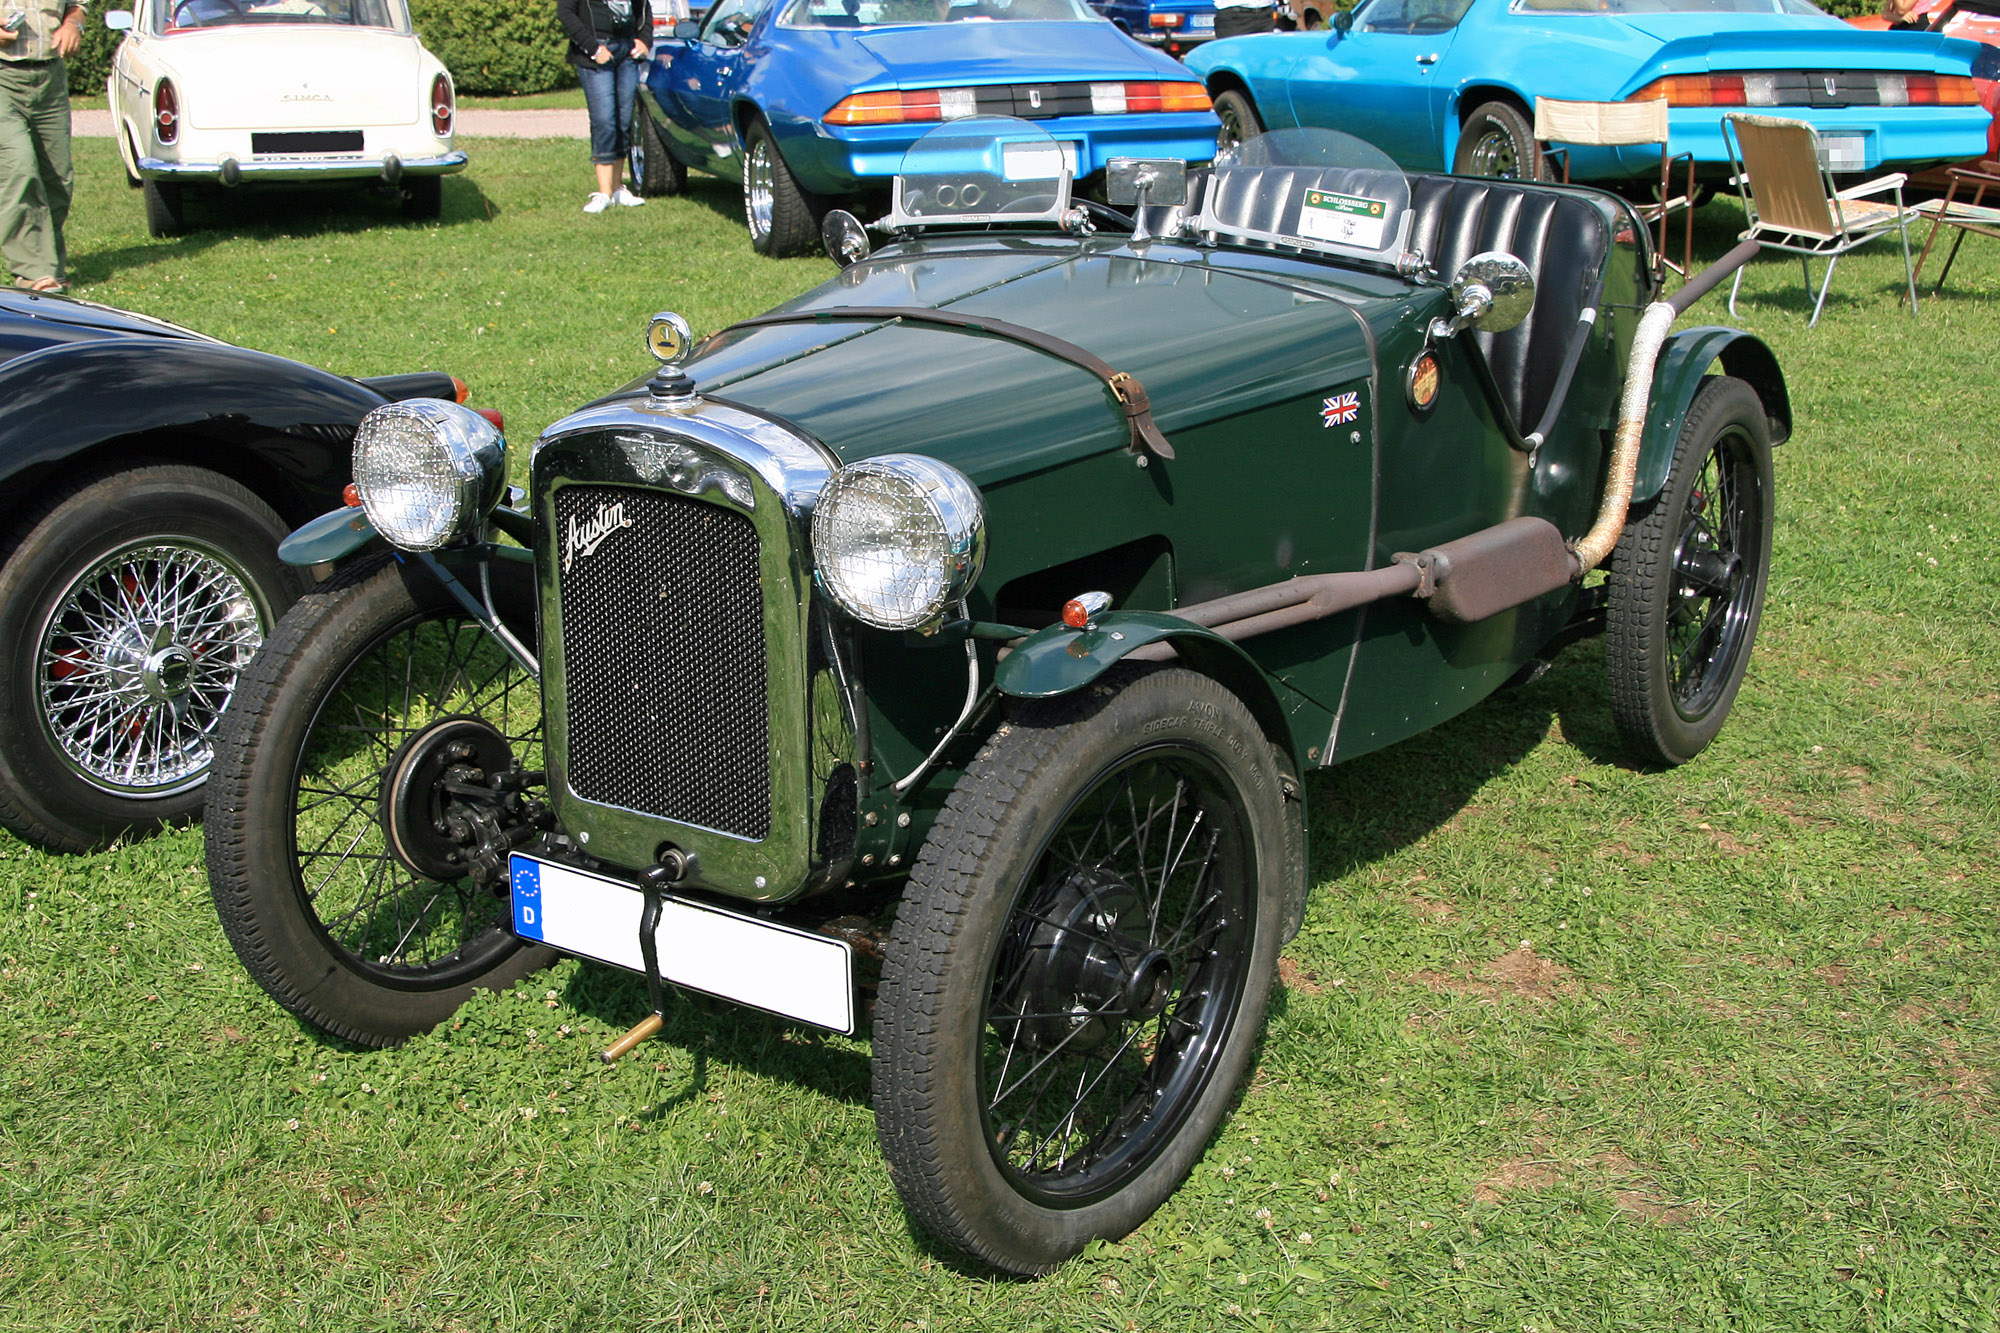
(1269, 199)
(1562, 238)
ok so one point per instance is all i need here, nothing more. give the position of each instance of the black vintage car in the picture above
(942, 652)
(148, 473)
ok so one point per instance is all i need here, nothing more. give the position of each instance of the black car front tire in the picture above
(327, 918)
(1498, 141)
(1687, 580)
(783, 218)
(1079, 968)
(131, 601)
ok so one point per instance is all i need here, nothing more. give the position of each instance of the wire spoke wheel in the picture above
(1079, 966)
(389, 920)
(1687, 580)
(379, 763)
(1118, 971)
(139, 658)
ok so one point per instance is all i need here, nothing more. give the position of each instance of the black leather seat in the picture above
(1562, 238)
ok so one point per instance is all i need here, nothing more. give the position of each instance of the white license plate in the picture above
(779, 969)
(1844, 152)
(1201, 23)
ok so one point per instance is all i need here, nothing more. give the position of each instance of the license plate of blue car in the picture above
(777, 968)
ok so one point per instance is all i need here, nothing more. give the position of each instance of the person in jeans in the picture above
(607, 44)
(36, 37)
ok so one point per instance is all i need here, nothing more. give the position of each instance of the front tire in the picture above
(783, 218)
(1239, 120)
(654, 168)
(327, 915)
(1498, 141)
(166, 209)
(1079, 968)
(1687, 580)
(130, 603)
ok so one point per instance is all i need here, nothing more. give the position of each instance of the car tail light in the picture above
(460, 390)
(897, 107)
(166, 112)
(443, 104)
(1940, 90)
(493, 415)
(1763, 89)
(1166, 20)
(1111, 99)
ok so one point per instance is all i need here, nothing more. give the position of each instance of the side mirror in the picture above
(1491, 292)
(1343, 20)
(686, 30)
(118, 20)
(1146, 181)
(846, 240)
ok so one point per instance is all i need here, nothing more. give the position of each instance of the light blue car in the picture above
(1451, 84)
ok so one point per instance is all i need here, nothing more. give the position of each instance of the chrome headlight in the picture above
(897, 539)
(428, 471)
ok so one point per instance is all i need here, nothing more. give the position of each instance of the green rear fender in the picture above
(1677, 378)
(1059, 660)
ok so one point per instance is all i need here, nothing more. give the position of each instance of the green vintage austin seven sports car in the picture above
(941, 654)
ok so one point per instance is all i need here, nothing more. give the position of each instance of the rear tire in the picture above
(655, 170)
(327, 917)
(1497, 141)
(166, 208)
(1687, 580)
(423, 198)
(1239, 120)
(783, 218)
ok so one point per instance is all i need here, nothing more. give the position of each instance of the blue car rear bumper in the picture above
(848, 159)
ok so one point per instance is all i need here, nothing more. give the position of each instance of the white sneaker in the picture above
(626, 199)
(598, 202)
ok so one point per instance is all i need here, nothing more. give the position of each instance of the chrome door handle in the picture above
(1430, 59)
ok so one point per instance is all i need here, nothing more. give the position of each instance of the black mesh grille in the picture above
(663, 658)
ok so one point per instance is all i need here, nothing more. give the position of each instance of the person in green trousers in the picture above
(36, 38)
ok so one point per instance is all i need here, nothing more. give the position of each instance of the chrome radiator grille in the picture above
(664, 658)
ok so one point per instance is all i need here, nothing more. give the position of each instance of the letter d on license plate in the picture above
(780, 969)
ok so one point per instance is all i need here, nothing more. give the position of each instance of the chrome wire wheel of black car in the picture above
(381, 743)
(1687, 580)
(1238, 117)
(783, 219)
(130, 604)
(1079, 968)
(1498, 141)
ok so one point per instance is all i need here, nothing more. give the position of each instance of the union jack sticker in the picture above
(1341, 409)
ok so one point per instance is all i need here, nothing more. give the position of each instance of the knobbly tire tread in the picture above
(28, 815)
(1634, 617)
(911, 1070)
(250, 926)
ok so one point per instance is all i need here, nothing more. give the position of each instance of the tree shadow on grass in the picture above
(215, 216)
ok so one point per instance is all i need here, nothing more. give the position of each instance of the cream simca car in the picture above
(235, 92)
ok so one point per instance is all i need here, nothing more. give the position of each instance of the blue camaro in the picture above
(1452, 83)
(812, 101)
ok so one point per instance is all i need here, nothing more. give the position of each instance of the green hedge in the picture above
(491, 47)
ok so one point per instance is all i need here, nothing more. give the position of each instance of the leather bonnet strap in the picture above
(1125, 388)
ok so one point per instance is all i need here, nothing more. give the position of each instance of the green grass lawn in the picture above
(1563, 1045)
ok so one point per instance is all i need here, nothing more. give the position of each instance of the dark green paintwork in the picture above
(328, 537)
(1058, 659)
(1684, 360)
